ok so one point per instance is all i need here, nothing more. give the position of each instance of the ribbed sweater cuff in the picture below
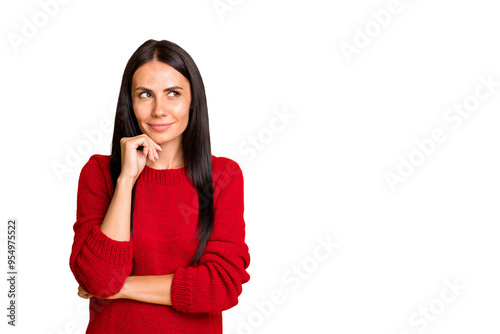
(180, 290)
(109, 250)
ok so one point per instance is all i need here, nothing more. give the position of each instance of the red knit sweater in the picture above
(164, 222)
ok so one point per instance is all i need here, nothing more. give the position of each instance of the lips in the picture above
(160, 127)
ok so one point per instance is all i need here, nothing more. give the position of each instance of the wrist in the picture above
(125, 182)
(124, 292)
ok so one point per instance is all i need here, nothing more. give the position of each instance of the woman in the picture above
(159, 237)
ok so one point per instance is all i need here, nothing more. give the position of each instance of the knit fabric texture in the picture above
(165, 217)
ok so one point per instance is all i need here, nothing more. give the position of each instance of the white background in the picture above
(321, 175)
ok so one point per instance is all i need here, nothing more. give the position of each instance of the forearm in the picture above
(116, 223)
(101, 260)
(154, 289)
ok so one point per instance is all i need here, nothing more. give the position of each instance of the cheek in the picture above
(186, 117)
(181, 113)
(140, 111)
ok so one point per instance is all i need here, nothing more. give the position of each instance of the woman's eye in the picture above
(147, 94)
(173, 93)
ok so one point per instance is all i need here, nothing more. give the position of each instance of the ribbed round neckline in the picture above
(164, 176)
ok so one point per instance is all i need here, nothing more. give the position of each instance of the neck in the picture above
(169, 157)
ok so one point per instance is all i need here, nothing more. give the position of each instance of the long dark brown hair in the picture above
(195, 138)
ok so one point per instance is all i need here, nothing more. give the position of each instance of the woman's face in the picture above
(161, 98)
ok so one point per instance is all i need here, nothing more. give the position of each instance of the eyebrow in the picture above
(165, 90)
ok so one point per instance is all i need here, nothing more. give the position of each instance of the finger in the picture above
(154, 148)
(136, 142)
(82, 293)
(151, 151)
(146, 147)
(149, 147)
(154, 151)
(157, 147)
(149, 154)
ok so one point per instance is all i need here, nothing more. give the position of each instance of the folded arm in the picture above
(216, 282)
(101, 261)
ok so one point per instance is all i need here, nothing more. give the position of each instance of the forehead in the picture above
(157, 73)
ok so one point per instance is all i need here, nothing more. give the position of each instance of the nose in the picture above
(160, 108)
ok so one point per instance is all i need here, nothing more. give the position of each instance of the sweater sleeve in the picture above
(100, 264)
(216, 282)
